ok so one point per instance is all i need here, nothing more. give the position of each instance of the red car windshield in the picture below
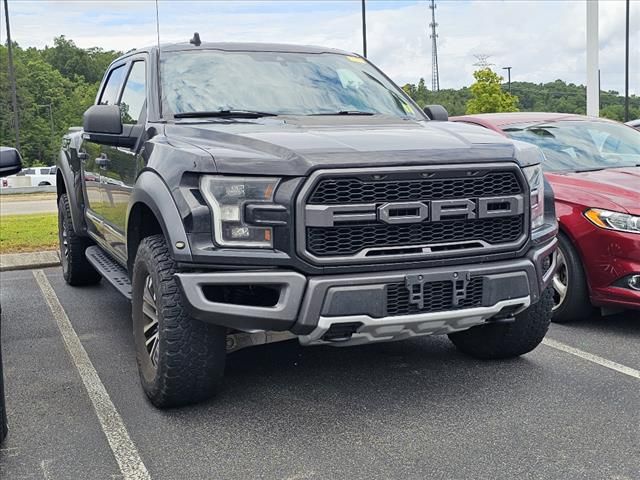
(581, 145)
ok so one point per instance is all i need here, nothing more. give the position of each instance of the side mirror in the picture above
(10, 161)
(103, 124)
(437, 112)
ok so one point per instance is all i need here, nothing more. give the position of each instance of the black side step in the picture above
(109, 269)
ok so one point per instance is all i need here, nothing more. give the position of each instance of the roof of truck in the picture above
(239, 47)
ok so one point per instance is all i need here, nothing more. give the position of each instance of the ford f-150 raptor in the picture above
(241, 194)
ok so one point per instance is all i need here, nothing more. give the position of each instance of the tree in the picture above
(488, 95)
(64, 77)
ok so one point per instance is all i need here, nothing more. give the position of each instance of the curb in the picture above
(24, 261)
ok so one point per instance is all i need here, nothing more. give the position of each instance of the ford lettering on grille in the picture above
(415, 212)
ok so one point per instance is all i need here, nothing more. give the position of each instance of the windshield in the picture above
(581, 145)
(278, 83)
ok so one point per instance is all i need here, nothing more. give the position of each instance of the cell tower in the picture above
(435, 75)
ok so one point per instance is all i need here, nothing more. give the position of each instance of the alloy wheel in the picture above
(150, 312)
(560, 281)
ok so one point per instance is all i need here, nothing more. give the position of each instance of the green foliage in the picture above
(487, 95)
(63, 76)
(556, 96)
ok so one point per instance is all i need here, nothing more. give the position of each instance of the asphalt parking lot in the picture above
(415, 409)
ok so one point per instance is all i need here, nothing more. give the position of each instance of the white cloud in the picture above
(542, 41)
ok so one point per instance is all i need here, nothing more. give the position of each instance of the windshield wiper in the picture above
(344, 112)
(225, 114)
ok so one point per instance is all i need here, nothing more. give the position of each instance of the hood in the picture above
(612, 188)
(297, 145)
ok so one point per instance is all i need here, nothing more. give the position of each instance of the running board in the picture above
(110, 270)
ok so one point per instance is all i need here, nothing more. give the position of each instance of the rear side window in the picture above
(133, 95)
(110, 93)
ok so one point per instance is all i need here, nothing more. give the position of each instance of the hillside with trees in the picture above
(557, 96)
(56, 84)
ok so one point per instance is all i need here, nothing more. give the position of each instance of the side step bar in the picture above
(109, 269)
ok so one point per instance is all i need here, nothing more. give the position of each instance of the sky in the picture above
(542, 40)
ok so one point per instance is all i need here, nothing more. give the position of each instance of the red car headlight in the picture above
(621, 222)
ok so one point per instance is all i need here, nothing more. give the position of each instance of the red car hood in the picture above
(612, 188)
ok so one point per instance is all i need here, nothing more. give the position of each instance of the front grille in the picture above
(351, 239)
(438, 297)
(332, 191)
(405, 213)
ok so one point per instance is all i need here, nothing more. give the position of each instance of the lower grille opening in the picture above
(341, 332)
(250, 295)
(438, 297)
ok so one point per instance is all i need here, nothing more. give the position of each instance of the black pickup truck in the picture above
(240, 194)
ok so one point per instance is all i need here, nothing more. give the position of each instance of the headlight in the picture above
(621, 222)
(227, 198)
(535, 178)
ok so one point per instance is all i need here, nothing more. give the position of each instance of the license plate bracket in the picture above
(415, 285)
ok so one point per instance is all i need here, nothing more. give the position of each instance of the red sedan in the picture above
(593, 166)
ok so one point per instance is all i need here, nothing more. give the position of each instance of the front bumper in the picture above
(310, 306)
(609, 257)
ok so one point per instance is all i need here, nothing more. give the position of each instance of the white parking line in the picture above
(592, 358)
(124, 450)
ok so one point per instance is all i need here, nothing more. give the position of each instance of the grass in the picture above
(28, 233)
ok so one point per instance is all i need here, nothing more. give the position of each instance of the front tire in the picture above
(181, 360)
(571, 293)
(507, 340)
(76, 269)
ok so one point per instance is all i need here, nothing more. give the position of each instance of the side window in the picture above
(110, 93)
(133, 95)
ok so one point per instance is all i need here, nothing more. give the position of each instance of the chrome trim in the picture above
(315, 177)
(401, 327)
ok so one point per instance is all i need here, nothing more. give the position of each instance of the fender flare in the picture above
(153, 193)
(71, 183)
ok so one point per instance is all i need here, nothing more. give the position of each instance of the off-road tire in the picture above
(190, 354)
(576, 304)
(506, 340)
(76, 269)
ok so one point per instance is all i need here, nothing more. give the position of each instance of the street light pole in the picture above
(626, 67)
(12, 78)
(508, 69)
(364, 29)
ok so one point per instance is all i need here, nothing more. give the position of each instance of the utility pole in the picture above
(593, 87)
(364, 29)
(508, 69)
(12, 79)
(435, 74)
(626, 67)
